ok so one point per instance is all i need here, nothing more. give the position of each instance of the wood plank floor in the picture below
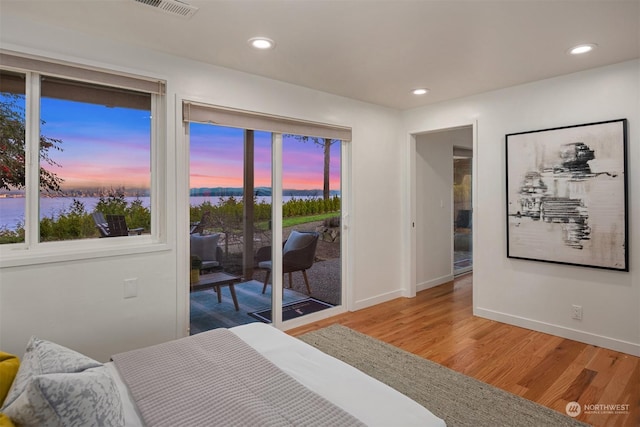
(439, 325)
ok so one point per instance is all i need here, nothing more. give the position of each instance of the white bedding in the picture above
(366, 398)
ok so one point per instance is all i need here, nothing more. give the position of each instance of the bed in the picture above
(252, 374)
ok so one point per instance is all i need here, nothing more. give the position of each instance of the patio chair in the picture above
(101, 223)
(113, 225)
(298, 254)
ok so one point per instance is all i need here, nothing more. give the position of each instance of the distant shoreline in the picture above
(193, 192)
(12, 208)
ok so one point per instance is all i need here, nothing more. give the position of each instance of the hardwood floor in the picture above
(439, 325)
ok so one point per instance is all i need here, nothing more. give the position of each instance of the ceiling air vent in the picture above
(173, 7)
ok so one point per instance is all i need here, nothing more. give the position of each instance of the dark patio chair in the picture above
(113, 225)
(101, 223)
(298, 254)
(118, 226)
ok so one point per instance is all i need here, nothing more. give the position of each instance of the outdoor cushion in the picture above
(297, 240)
(205, 247)
(265, 264)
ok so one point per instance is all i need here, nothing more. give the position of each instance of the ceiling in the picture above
(374, 51)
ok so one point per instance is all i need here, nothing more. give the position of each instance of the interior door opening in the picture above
(441, 205)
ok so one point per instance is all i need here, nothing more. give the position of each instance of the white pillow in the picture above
(83, 399)
(75, 389)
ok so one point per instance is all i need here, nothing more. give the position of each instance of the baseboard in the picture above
(313, 317)
(434, 282)
(561, 331)
(378, 299)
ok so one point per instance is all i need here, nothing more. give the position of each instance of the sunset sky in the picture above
(102, 147)
(109, 147)
(217, 158)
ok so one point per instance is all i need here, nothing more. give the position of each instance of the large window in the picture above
(91, 142)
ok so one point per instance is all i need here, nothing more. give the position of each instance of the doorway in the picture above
(441, 209)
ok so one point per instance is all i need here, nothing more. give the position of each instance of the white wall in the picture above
(79, 302)
(533, 294)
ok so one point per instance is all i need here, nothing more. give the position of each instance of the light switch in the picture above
(130, 288)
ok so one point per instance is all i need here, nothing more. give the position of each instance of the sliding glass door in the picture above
(236, 262)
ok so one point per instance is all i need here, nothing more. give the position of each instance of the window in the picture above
(91, 140)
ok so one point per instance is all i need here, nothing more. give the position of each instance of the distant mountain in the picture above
(258, 191)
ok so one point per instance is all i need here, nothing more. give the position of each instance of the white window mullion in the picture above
(32, 160)
(276, 230)
(345, 221)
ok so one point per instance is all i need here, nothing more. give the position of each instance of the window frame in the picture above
(193, 111)
(32, 251)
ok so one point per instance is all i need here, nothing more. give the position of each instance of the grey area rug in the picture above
(458, 399)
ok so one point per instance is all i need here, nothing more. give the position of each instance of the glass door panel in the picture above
(230, 226)
(311, 254)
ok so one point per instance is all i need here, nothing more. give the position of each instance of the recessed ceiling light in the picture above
(583, 48)
(262, 43)
(419, 91)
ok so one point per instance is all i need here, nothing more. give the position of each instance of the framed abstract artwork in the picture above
(567, 195)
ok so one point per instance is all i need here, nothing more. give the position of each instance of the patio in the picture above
(324, 278)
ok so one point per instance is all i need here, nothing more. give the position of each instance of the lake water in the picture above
(12, 209)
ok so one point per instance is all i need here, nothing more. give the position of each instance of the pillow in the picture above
(297, 240)
(205, 246)
(82, 399)
(9, 365)
(44, 357)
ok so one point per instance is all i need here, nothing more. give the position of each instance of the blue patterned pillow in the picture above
(58, 386)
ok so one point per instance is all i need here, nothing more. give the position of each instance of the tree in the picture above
(12, 147)
(325, 143)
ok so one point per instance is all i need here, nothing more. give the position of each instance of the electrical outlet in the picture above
(576, 312)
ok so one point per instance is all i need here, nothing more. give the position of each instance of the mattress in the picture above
(364, 397)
